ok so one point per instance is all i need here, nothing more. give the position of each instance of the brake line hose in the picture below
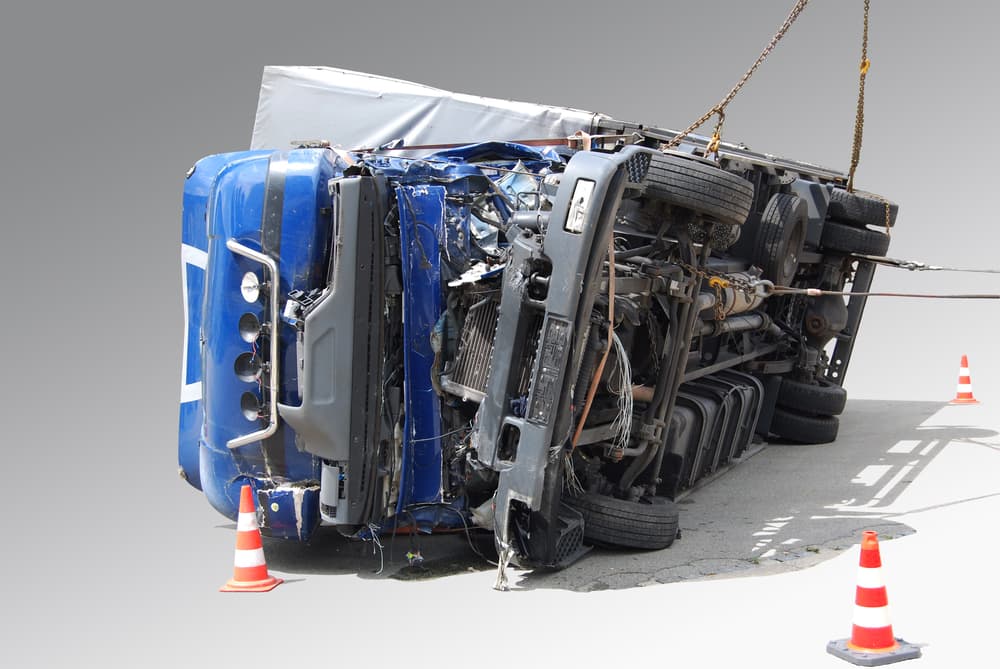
(599, 370)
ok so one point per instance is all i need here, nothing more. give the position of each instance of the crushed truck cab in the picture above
(550, 340)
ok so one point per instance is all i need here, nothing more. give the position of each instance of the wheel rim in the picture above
(791, 261)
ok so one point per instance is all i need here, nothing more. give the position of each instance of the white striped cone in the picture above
(964, 393)
(872, 629)
(250, 569)
(871, 642)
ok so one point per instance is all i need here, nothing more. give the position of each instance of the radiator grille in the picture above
(470, 371)
(475, 348)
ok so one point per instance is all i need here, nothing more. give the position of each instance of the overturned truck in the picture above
(407, 308)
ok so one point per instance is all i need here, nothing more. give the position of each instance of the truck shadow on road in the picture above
(788, 506)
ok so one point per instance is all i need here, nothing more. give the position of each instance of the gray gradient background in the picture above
(106, 105)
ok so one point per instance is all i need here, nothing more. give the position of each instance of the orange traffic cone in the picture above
(871, 642)
(964, 393)
(250, 570)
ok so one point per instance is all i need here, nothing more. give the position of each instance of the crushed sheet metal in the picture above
(504, 554)
(298, 493)
(476, 273)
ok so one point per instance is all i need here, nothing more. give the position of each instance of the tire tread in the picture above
(625, 523)
(706, 189)
(804, 429)
(849, 239)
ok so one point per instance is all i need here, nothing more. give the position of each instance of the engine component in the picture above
(467, 378)
(825, 317)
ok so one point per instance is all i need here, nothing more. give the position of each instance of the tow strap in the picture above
(915, 265)
(911, 265)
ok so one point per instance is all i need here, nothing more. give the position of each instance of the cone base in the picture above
(964, 400)
(843, 649)
(269, 583)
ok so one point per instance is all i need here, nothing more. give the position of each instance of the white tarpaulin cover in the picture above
(353, 110)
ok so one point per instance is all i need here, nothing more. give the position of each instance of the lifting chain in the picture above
(718, 282)
(888, 229)
(859, 119)
(720, 108)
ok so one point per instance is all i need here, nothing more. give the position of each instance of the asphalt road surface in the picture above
(763, 574)
(785, 506)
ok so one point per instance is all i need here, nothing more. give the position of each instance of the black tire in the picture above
(780, 237)
(849, 239)
(820, 398)
(700, 187)
(794, 426)
(860, 208)
(650, 524)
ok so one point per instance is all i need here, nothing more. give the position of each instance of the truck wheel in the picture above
(780, 237)
(820, 398)
(860, 208)
(699, 186)
(849, 239)
(794, 426)
(650, 523)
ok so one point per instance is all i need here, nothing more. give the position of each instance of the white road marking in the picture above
(871, 474)
(930, 447)
(876, 498)
(895, 480)
(771, 527)
(904, 446)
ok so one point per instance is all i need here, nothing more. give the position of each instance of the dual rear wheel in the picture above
(807, 413)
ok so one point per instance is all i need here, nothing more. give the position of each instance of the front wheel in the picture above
(650, 523)
(703, 188)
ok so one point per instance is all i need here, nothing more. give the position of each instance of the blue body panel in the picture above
(234, 207)
(421, 223)
(194, 253)
(235, 211)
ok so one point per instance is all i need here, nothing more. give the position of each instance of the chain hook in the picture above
(713, 143)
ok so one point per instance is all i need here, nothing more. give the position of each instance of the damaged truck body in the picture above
(485, 325)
